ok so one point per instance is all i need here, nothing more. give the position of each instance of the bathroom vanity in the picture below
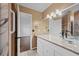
(63, 36)
(48, 45)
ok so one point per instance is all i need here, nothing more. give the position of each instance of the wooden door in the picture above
(34, 41)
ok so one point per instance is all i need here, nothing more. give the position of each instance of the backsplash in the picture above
(55, 27)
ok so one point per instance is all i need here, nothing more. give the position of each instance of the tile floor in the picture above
(30, 53)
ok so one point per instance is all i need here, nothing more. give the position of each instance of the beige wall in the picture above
(42, 24)
(38, 24)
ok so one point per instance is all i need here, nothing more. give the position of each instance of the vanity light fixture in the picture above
(49, 16)
(71, 18)
(58, 12)
(53, 14)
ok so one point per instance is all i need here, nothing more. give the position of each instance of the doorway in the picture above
(24, 32)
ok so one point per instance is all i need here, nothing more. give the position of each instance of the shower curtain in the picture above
(4, 29)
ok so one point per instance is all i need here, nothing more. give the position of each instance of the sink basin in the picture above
(70, 40)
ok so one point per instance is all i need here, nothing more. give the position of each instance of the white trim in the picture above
(73, 8)
(34, 48)
(18, 25)
(64, 9)
(70, 7)
(9, 35)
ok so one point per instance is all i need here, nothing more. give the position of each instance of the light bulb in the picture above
(47, 16)
(53, 14)
(58, 12)
(71, 18)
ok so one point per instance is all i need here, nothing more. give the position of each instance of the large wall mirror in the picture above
(76, 23)
(70, 24)
(67, 26)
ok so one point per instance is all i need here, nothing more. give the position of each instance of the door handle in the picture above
(19, 37)
(13, 25)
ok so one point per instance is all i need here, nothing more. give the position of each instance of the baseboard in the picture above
(34, 48)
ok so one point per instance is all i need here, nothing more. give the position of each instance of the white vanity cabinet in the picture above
(46, 48)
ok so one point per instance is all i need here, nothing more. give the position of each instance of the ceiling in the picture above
(36, 6)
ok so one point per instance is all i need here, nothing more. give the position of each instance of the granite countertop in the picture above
(60, 42)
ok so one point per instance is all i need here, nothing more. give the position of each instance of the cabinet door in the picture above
(45, 48)
(63, 52)
(51, 49)
(39, 46)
